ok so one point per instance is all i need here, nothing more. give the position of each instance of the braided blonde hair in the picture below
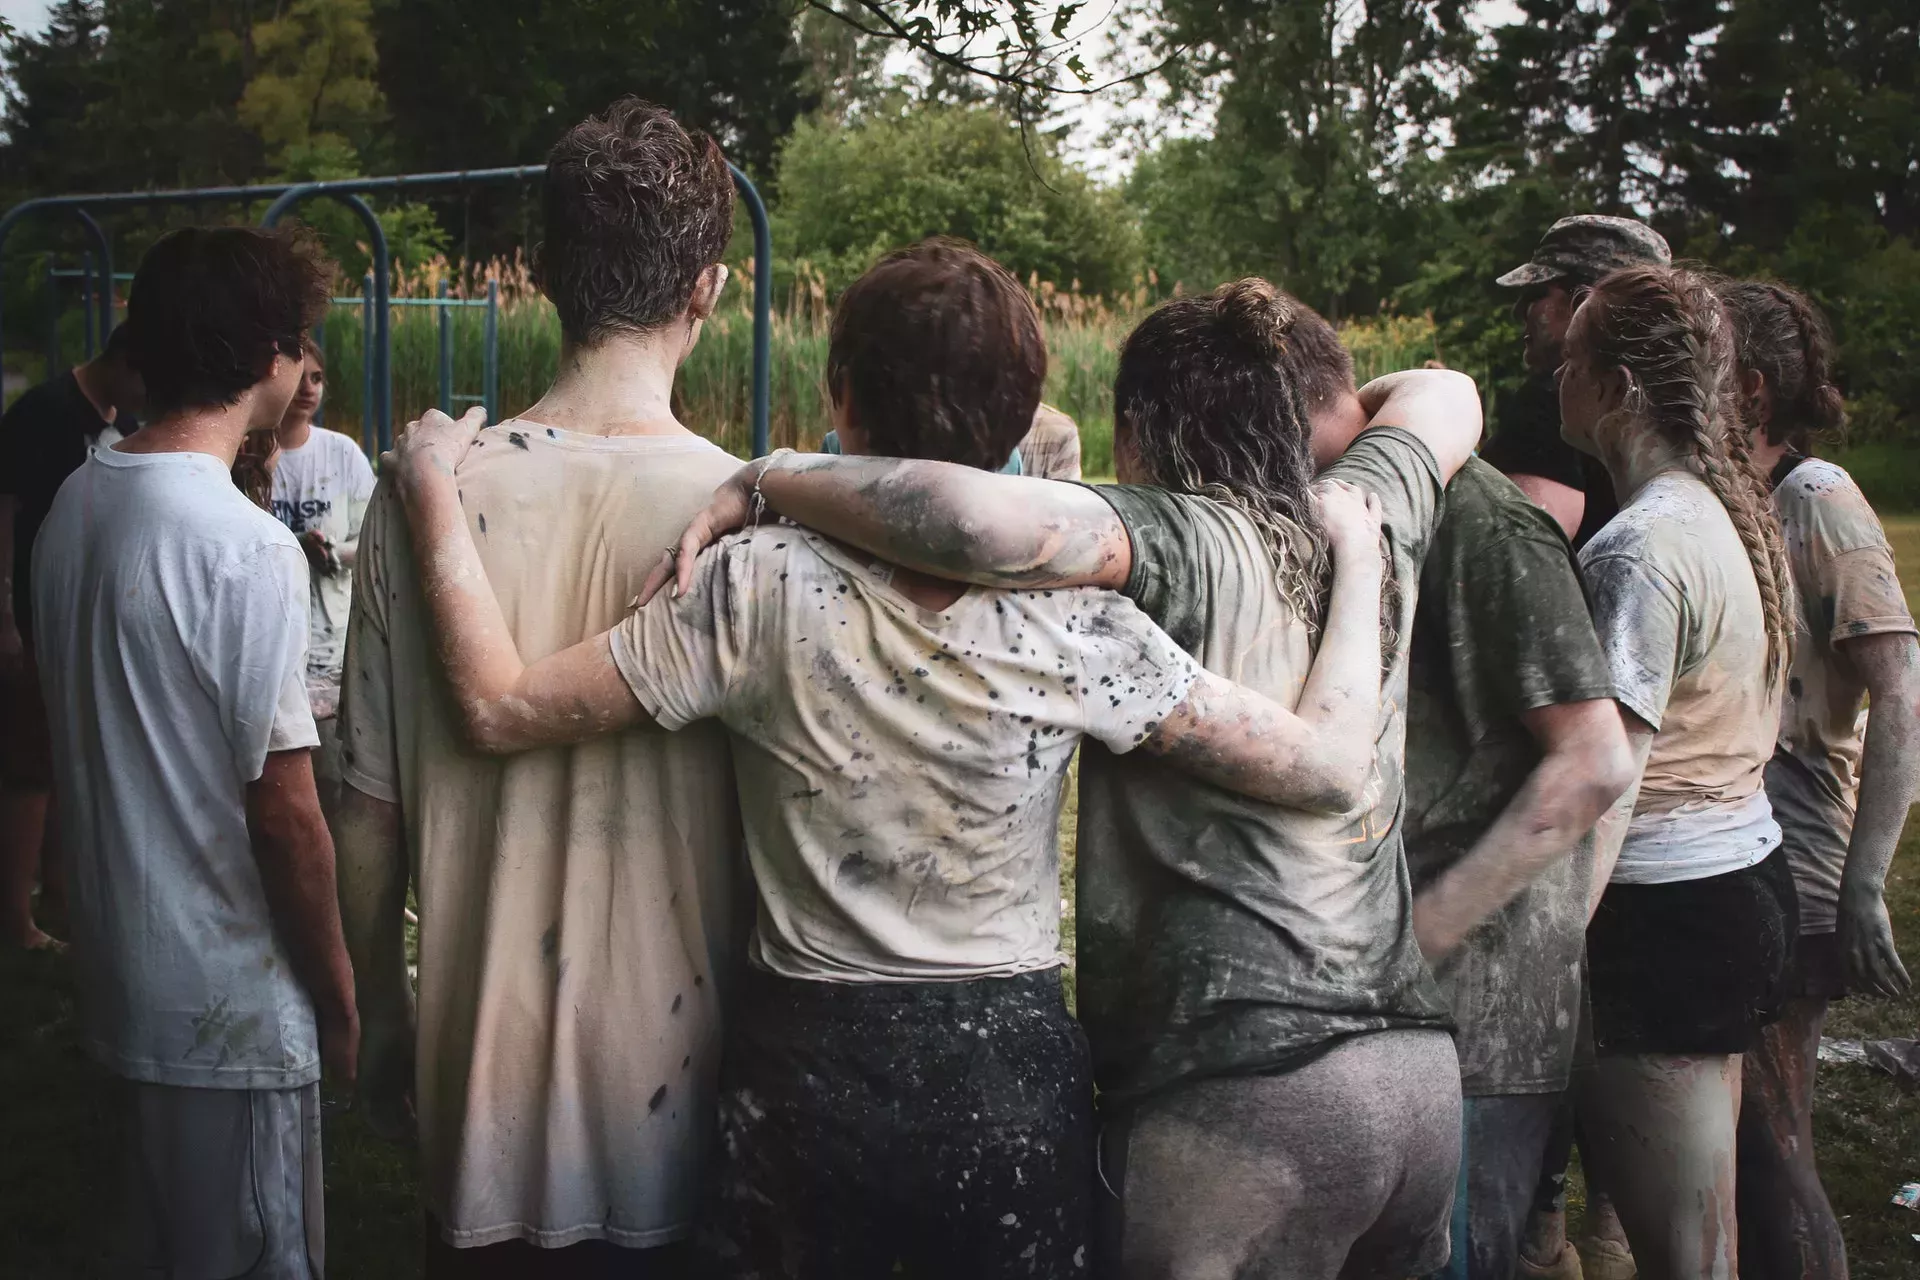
(1666, 327)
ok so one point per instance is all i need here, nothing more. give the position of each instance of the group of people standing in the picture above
(1430, 820)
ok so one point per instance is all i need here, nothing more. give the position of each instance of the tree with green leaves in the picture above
(850, 193)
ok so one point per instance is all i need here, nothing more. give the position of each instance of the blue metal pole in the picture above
(367, 438)
(762, 312)
(104, 247)
(446, 353)
(382, 285)
(491, 387)
(86, 304)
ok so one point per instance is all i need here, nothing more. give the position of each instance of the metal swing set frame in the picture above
(283, 197)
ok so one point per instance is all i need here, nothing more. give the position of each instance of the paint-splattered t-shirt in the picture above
(1679, 616)
(1843, 571)
(579, 905)
(1220, 935)
(1502, 628)
(901, 768)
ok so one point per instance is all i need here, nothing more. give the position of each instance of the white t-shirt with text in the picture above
(324, 486)
(170, 616)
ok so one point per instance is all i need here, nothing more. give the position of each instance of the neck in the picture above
(1767, 456)
(294, 434)
(1637, 453)
(620, 387)
(92, 378)
(217, 431)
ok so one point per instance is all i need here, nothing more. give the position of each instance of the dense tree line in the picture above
(1371, 154)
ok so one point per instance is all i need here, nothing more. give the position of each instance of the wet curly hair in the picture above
(1780, 335)
(1215, 394)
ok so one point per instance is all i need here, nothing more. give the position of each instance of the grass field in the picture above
(57, 1180)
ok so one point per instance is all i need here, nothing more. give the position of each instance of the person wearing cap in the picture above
(1574, 253)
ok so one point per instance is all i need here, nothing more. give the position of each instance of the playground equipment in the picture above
(97, 274)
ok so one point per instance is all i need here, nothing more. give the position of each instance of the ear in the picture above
(706, 291)
(1758, 398)
(1615, 384)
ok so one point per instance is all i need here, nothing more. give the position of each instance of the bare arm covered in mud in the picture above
(1320, 755)
(963, 524)
(371, 872)
(1317, 757)
(1585, 765)
(1889, 665)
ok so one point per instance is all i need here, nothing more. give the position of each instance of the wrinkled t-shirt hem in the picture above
(562, 1237)
(146, 1071)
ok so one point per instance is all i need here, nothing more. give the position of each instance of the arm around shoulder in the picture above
(1440, 406)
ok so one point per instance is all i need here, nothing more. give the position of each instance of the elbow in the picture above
(489, 728)
(1340, 785)
(1601, 774)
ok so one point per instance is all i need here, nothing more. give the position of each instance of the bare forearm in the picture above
(952, 521)
(1890, 777)
(371, 871)
(295, 857)
(476, 647)
(1237, 739)
(1341, 698)
(1541, 825)
(1440, 406)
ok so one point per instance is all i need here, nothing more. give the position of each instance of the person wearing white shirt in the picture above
(322, 483)
(212, 971)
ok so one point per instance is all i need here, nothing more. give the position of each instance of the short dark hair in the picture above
(636, 208)
(939, 350)
(211, 306)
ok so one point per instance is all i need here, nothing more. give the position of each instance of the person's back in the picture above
(154, 713)
(214, 977)
(575, 904)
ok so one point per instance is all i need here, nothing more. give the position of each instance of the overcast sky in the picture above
(25, 15)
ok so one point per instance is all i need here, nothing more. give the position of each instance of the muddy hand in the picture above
(435, 441)
(729, 509)
(1868, 956)
(1351, 518)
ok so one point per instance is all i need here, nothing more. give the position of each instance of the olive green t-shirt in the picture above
(1502, 628)
(1220, 935)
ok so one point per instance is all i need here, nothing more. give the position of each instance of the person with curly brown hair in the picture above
(1840, 781)
(214, 980)
(1693, 601)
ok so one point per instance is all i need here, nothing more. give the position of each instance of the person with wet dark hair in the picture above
(902, 1086)
(577, 907)
(214, 979)
(1279, 1095)
(1843, 775)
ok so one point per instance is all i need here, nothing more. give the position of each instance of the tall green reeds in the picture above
(714, 395)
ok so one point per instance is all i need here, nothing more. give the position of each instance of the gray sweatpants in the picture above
(222, 1183)
(1342, 1169)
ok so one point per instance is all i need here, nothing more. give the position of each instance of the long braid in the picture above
(1666, 327)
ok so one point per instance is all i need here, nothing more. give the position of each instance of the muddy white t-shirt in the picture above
(577, 904)
(901, 768)
(324, 486)
(170, 614)
(1680, 620)
(1844, 575)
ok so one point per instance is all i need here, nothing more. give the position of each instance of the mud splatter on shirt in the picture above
(901, 768)
(1679, 616)
(1844, 574)
(1501, 628)
(1219, 935)
(574, 901)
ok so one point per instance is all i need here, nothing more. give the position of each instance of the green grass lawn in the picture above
(58, 1182)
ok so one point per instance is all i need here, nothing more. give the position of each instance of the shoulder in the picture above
(1049, 424)
(1387, 452)
(341, 445)
(1482, 501)
(1819, 498)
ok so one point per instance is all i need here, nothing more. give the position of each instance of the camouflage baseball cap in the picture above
(1586, 247)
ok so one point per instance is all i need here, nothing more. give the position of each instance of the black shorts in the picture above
(1698, 966)
(940, 1130)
